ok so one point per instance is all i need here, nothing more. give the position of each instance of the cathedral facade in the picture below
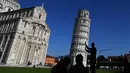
(24, 34)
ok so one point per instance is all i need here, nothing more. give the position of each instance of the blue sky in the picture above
(110, 23)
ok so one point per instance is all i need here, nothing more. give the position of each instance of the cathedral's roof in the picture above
(15, 0)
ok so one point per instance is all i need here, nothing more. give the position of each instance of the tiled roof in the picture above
(50, 56)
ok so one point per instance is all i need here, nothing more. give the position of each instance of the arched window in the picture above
(85, 15)
(8, 9)
(40, 16)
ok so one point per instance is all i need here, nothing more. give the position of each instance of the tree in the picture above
(101, 58)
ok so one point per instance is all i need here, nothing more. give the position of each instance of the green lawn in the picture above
(24, 70)
(105, 71)
(37, 70)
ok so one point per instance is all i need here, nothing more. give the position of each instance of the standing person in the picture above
(62, 66)
(79, 67)
(93, 52)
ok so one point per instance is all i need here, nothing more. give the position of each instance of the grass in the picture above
(38, 70)
(105, 71)
(24, 70)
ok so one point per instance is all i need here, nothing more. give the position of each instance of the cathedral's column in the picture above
(31, 54)
(21, 50)
(18, 50)
(26, 59)
(1, 45)
(0, 28)
(45, 52)
(24, 53)
(43, 34)
(40, 31)
(42, 54)
(39, 54)
(35, 54)
(36, 30)
(13, 51)
(2, 40)
(12, 26)
(4, 50)
(7, 28)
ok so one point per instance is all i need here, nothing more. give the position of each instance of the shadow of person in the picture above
(62, 66)
(93, 52)
(79, 67)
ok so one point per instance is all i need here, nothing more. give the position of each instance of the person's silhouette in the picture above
(61, 67)
(93, 52)
(126, 65)
(79, 67)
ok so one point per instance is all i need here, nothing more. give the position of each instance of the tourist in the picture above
(79, 67)
(62, 66)
(93, 52)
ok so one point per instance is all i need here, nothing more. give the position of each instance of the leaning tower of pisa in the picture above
(9, 5)
(80, 36)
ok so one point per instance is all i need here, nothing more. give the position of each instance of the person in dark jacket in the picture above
(93, 52)
(62, 66)
(79, 67)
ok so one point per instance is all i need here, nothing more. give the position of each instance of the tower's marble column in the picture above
(80, 36)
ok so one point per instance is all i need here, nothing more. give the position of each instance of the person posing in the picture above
(93, 52)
